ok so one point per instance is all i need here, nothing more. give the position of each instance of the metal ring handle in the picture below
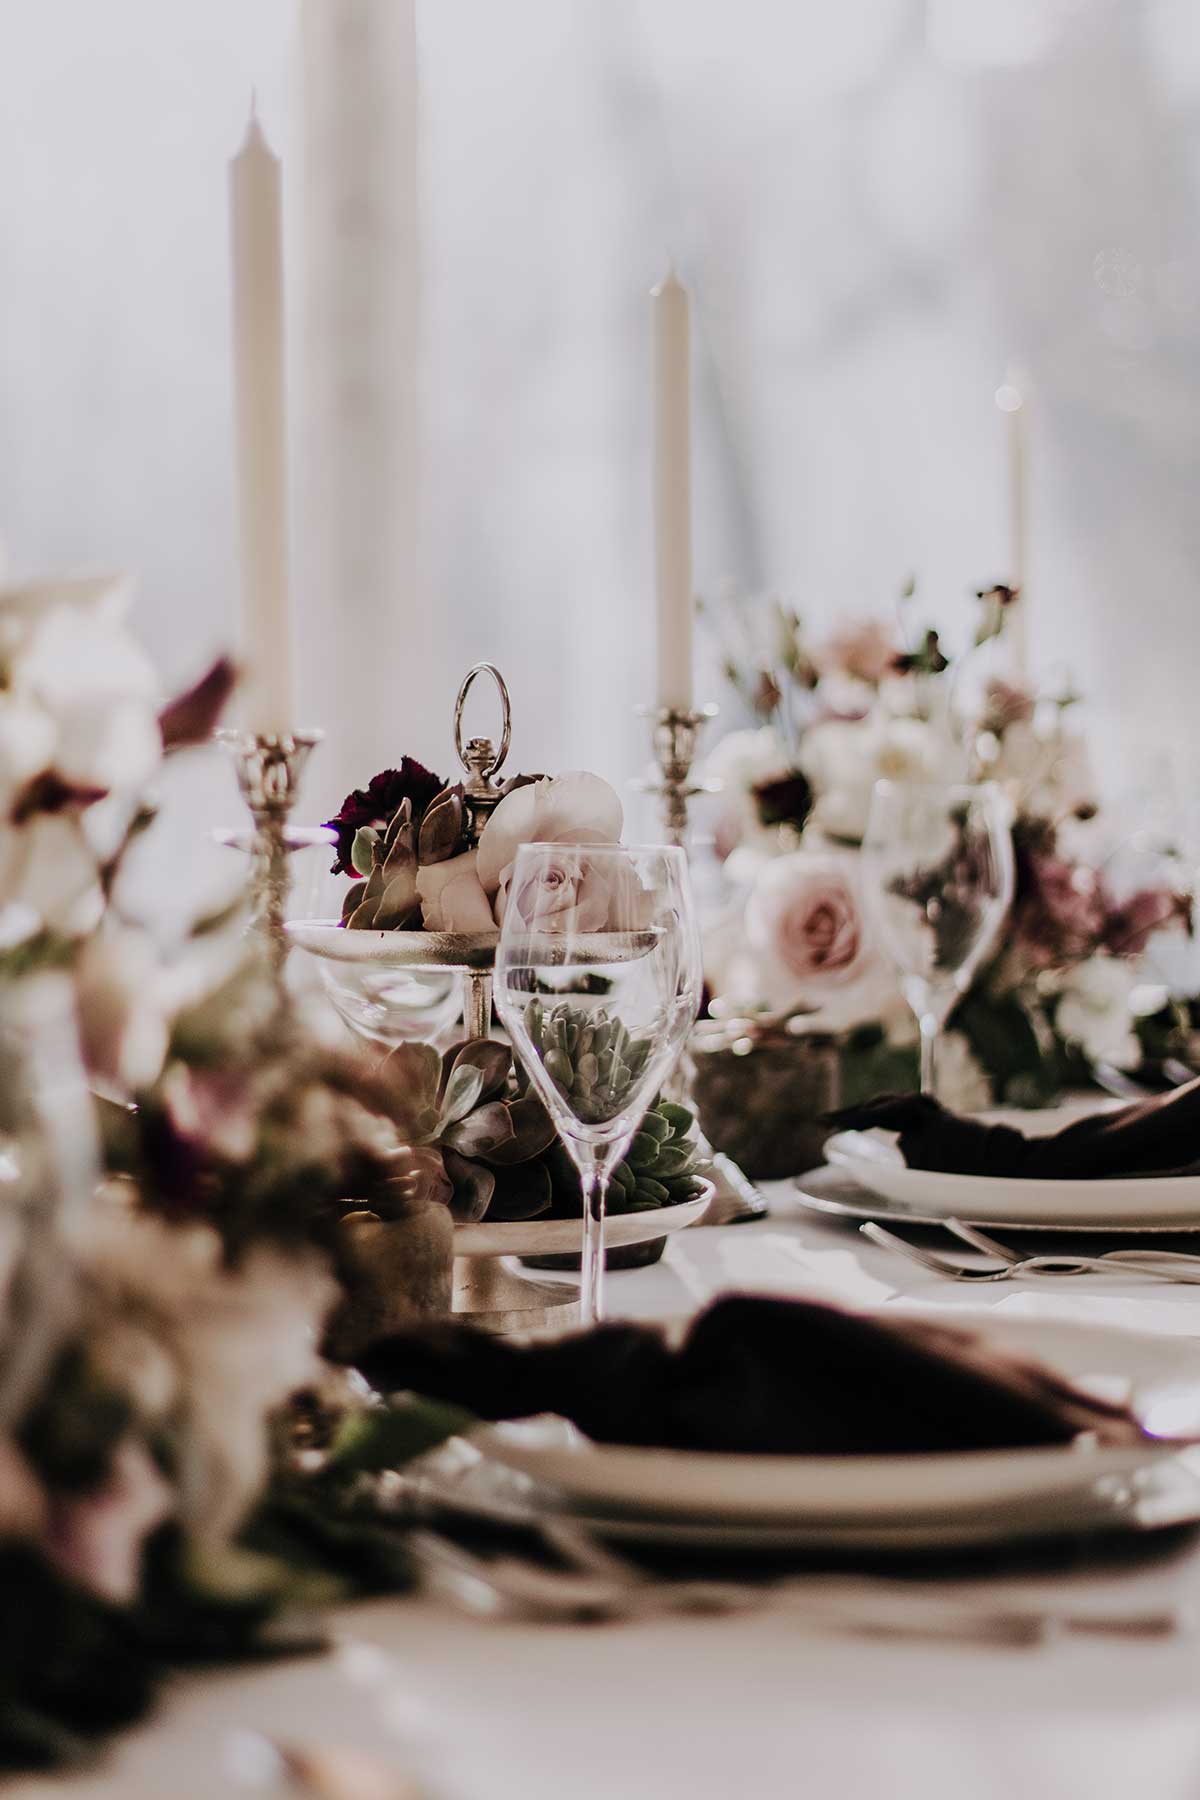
(484, 668)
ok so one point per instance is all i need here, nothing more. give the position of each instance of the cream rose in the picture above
(472, 892)
(809, 942)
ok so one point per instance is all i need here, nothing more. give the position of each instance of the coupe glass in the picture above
(598, 983)
(939, 865)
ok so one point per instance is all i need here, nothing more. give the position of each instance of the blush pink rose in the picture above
(804, 915)
(452, 897)
(809, 950)
(573, 890)
(471, 892)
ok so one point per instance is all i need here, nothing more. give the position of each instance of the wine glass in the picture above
(598, 983)
(939, 861)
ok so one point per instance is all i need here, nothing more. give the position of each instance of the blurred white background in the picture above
(878, 206)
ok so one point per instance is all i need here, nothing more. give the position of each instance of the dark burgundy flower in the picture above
(49, 793)
(378, 803)
(1130, 926)
(1061, 910)
(191, 718)
(785, 800)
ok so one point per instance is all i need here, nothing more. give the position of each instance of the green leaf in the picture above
(462, 1092)
(414, 1071)
(473, 1184)
(486, 1130)
(362, 852)
(532, 1134)
(1001, 1033)
(387, 1437)
(521, 1193)
(493, 1059)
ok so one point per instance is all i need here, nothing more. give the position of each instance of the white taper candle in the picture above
(672, 492)
(256, 214)
(1010, 398)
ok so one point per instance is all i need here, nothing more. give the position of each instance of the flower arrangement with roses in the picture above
(405, 836)
(1081, 982)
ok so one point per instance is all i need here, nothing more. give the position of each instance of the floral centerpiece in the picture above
(1073, 989)
(407, 838)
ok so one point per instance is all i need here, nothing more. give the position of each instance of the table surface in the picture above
(708, 1709)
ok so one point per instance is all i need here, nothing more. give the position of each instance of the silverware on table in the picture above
(1155, 1265)
(599, 1586)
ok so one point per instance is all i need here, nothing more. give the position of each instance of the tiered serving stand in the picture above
(490, 1288)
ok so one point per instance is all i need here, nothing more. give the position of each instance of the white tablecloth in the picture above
(716, 1709)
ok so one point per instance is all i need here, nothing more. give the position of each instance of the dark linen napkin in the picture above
(785, 1377)
(1152, 1137)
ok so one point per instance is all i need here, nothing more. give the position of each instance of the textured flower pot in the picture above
(395, 1273)
(762, 1100)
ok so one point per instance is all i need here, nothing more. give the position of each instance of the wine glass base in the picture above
(491, 1293)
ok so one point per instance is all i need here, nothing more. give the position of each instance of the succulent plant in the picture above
(492, 1137)
(388, 856)
(590, 1057)
(662, 1167)
(386, 900)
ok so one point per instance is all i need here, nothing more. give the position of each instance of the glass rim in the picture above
(896, 784)
(674, 850)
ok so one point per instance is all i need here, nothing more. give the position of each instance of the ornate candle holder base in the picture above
(736, 1200)
(675, 737)
(269, 766)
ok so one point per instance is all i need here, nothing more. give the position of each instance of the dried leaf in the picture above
(441, 834)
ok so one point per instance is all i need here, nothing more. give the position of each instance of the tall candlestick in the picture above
(1011, 401)
(256, 215)
(672, 492)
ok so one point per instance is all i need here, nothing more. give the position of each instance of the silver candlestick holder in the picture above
(675, 738)
(269, 766)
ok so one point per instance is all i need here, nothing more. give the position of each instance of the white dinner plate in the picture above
(456, 1479)
(873, 1158)
(836, 1193)
(1159, 1377)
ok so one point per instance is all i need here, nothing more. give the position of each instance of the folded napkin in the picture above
(1153, 1137)
(785, 1377)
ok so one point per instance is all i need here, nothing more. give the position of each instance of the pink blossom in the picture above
(471, 892)
(1061, 918)
(866, 650)
(1129, 927)
(97, 1536)
(805, 915)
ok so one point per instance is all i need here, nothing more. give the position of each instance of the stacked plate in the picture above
(516, 1472)
(889, 1189)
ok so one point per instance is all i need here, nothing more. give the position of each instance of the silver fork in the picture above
(1171, 1265)
(1155, 1265)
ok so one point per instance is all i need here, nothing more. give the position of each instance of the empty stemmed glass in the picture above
(598, 983)
(939, 865)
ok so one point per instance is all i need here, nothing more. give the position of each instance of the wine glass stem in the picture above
(591, 1280)
(929, 1037)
